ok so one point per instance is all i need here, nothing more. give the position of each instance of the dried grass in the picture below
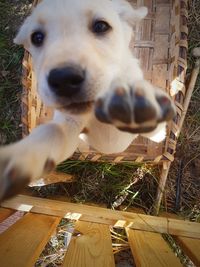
(188, 147)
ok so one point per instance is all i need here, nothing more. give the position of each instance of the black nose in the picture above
(66, 81)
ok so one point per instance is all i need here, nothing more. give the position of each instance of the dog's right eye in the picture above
(37, 38)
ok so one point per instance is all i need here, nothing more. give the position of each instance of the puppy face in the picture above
(78, 48)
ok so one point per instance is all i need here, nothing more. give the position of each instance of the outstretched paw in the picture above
(18, 167)
(136, 109)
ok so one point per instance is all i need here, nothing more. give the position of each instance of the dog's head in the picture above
(77, 47)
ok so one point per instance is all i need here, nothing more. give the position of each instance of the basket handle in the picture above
(191, 84)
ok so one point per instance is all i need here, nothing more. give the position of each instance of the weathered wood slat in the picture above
(22, 243)
(150, 249)
(191, 247)
(5, 213)
(105, 216)
(52, 178)
(92, 247)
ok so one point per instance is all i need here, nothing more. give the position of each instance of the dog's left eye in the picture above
(100, 27)
(37, 38)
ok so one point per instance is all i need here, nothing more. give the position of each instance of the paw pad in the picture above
(134, 109)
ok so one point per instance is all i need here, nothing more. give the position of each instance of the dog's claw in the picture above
(49, 165)
(168, 111)
(11, 184)
(99, 112)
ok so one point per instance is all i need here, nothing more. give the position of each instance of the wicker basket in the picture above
(160, 42)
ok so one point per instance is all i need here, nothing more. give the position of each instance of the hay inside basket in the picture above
(160, 43)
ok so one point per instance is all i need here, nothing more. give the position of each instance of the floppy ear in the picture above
(22, 37)
(128, 13)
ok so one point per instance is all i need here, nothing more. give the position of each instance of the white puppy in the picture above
(87, 73)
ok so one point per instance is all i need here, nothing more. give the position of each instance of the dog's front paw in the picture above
(136, 109)
(18, 167)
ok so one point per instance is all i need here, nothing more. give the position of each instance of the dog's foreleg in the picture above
(38, 153)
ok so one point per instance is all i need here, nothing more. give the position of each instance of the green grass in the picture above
(9, 88)
(10, 72)
(109, 184)
(103, 182)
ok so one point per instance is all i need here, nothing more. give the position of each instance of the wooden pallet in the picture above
(23, 242)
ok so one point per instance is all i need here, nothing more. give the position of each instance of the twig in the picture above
(178, 185)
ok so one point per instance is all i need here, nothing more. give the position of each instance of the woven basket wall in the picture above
(160, 42)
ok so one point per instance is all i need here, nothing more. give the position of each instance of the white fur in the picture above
(108, 61)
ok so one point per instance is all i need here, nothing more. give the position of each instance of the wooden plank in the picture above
(23, 242)
(92, 247)
(191, 247)
(5, 213)
(52, 178)
(106, 216)
(150, 249)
